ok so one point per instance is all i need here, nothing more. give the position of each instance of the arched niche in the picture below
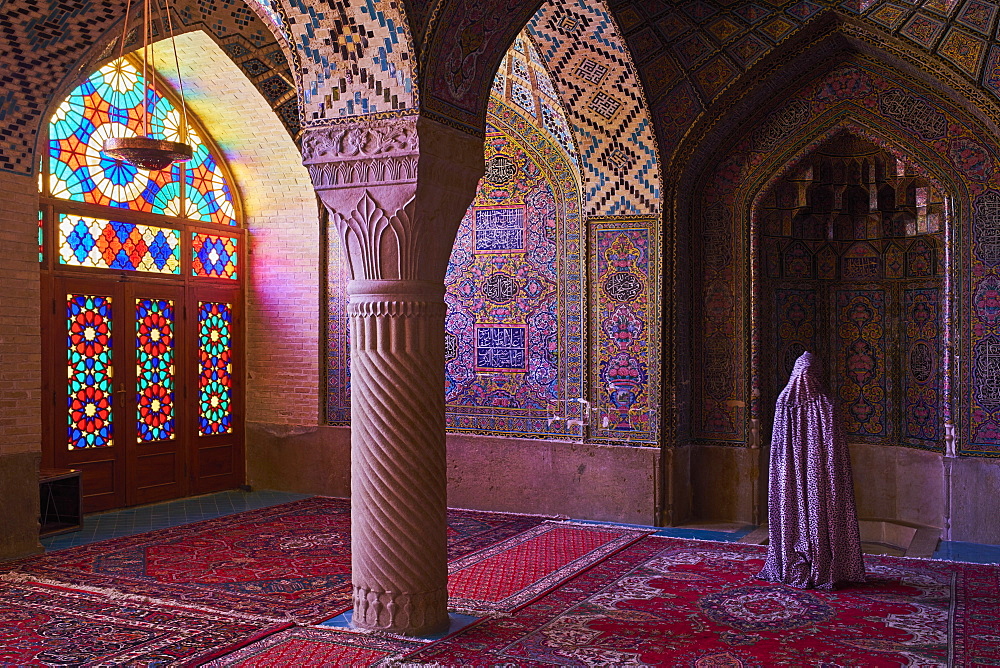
(850, 264)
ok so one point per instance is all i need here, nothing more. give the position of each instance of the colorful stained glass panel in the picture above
(213, 257)
(90, 392)
(209, 198)
(112, 244)
(41, 238)
(215, 386)
(109, 104)
(154, 369)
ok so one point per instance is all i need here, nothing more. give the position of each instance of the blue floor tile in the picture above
(458, 622)
(953, 550)
(129, 521)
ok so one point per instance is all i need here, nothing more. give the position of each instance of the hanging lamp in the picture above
(147, 152)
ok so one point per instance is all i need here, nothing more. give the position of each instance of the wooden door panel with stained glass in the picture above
(88, 402)
(216, 452)
(155, 464)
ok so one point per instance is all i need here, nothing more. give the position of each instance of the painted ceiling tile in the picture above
(991, 73)
(715, 76)
(978, 15)
(660, 75)
(923, 30)
(693, 49)
(857, 6)
(777, 28)
(700, 11)
(943, 7)
(752, 13)
(889, 15)
(724, 28)
(747, 50)
(964, 50)
(672, 25)
(803, 10)
(644, 44)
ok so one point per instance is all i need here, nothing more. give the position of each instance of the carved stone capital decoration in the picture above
(360, 139)
(396, 190)
(362, 153)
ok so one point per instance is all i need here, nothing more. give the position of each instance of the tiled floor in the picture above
(184, 511)
(117, 523)
(954, 550)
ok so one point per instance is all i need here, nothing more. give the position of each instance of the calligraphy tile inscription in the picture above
(499, 229)
(501, 348)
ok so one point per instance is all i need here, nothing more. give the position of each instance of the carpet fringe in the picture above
(607, 525)
(115, 595)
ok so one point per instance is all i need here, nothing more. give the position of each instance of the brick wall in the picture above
(281, 212)
(20, 332)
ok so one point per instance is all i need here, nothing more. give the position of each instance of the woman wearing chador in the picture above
(812, 521)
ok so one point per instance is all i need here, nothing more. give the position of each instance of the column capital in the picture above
(396, 190)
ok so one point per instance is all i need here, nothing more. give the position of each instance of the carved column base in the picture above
(414, 613)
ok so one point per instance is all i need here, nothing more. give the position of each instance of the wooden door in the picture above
(119, 409)
(156, 406)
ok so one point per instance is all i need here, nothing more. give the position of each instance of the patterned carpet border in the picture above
(670, 601)
(319, 647)
(508, 575)
(46, 625)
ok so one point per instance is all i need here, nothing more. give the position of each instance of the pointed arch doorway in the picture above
(142, 304)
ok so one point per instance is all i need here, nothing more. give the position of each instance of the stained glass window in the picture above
(213, 256)
(90, 395)
(208, 194)
(41, 237)
(109, 104)
(215, 388)
(154, 369)
(112, 244)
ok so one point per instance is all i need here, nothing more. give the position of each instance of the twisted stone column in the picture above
(398, 482)
(397, 190)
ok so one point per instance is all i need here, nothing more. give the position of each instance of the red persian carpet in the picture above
(287, 562)
(53, 626)
(318, 647)
(674, 602)
(509, 574)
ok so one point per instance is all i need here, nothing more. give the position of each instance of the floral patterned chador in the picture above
(812, 521)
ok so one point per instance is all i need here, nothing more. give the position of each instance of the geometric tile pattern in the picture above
(355, 57)
(583, 50)
(41, 41)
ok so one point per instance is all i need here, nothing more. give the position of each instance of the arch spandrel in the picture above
(583, 50)
(353, 58)
(861, 94)
(465, 42)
